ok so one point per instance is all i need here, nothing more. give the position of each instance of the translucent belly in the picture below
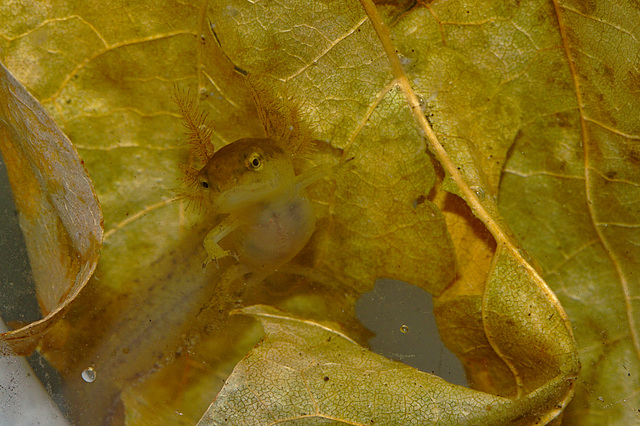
(277, 234)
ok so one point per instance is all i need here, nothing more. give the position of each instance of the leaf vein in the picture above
(110, 48)
(327, 50)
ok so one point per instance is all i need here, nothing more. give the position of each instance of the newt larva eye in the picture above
(204, 184)
(254, 161)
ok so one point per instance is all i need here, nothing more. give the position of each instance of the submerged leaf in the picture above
(308, 372)
(571, 190)
(549, 88)
(377, 215)
(58, 210)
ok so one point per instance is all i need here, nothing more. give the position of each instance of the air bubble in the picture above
(479, 192)
(423, 103)
(404, 328)
(89, 375)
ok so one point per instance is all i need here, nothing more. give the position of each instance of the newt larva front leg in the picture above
(214, 251)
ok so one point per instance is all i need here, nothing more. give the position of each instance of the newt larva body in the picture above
(269, 213)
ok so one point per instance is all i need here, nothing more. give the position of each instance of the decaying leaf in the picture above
(571, 191)
(59, 212)
(307, 372)
(500, 367)
(530, 84)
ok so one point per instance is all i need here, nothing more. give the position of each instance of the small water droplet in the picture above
(89, 375)
(423, 103)
(404, 328)
(479, 192)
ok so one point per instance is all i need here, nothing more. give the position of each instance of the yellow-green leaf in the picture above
(361, 77)
(308, 373)
(571, 192)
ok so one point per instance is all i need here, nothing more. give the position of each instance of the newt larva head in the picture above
(245, 173)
